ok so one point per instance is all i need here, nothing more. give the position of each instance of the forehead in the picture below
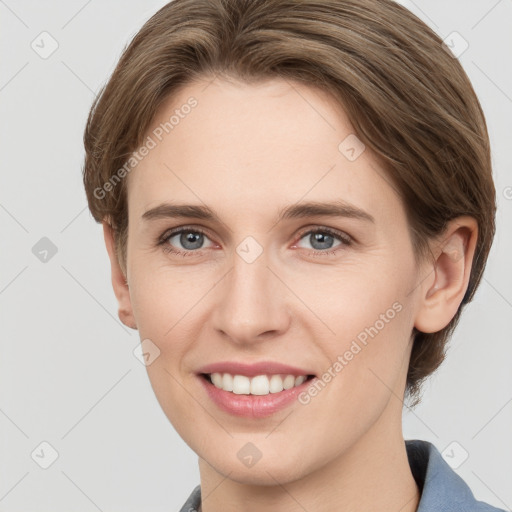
(254, 146)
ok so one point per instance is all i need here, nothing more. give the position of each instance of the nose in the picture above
(252, 303)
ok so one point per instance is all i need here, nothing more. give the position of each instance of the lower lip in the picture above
(252, 406)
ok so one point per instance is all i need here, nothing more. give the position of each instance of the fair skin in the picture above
(248, 151)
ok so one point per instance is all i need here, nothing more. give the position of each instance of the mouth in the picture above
(254, 397)
(253, 390)
(259, 385)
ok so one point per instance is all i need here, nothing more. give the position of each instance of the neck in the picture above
(374, 474)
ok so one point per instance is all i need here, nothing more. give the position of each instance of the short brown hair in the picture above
(406, 96)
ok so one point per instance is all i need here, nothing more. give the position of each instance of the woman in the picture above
(297, 204)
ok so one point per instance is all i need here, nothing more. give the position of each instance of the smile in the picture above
(257, 385)
(253, 397)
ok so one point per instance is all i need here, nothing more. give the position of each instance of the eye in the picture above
(322, 240)
(190, 239)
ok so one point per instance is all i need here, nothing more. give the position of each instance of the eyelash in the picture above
(168, 248)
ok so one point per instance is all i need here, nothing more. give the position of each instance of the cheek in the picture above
(166, 304)
(349, 298)
(368, 313)
(162, 298)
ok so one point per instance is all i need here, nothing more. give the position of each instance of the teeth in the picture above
(300, 380)
(258, 385)
(217, 379)
(289, 382)
(276, 384)
(227, 382)
(241, 385)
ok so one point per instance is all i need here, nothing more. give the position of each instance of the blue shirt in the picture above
(442, 489)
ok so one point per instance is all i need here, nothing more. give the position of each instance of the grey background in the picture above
(68, 375)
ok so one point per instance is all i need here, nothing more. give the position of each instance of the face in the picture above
(264, 286)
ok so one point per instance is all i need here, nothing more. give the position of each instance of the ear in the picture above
(447, 278)
(119, 283)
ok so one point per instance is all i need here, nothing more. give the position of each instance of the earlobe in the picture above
(119, 282)
(448, 276)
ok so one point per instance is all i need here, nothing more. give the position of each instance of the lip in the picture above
(251, 370)
(252, 406)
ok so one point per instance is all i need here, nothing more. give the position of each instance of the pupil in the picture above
(323, 239)
(191, 238)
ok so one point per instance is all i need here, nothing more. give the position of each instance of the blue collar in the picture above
(442, 489)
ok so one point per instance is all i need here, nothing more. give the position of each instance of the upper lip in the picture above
(251, 370)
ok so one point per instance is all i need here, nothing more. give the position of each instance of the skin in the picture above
(248, 151)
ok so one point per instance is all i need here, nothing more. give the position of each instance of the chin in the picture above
(260, 474)
(280, 468)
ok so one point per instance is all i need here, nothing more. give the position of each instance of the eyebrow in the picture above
(295, 211)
